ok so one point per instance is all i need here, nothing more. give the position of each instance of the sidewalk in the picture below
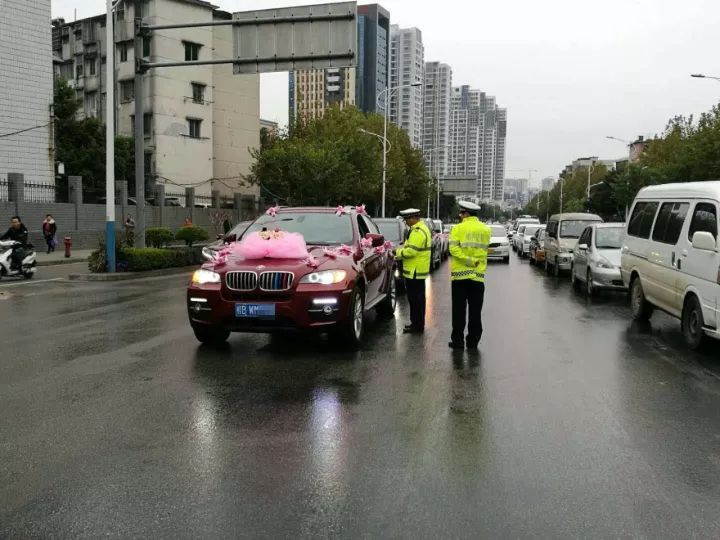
(58, 257)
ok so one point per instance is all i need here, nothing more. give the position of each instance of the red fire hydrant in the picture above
(68, 244)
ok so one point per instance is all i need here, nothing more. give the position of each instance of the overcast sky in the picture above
(570, 72)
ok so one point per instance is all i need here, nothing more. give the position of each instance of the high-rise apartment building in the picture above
(436, 117)
(199, 122)
(547, 184)
(407, 66)
(477, 140)
(312, 91)
(26, 91)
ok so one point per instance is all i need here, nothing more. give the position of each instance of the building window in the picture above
(127, 91)
(194, 128)
(91, 66)
(146, 46)
(120, 11)
(123, 52)
(198, 92)
(79, 71)
(192, 51)
(147, 124)
(91, 104)
(148, 164)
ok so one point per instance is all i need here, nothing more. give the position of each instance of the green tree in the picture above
(80, 144)
(329, 161)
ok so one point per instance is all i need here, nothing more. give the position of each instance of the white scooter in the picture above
(27, 269)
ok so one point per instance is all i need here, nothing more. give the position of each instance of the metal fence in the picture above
(204, 201)
(36, 192)
(178, 196)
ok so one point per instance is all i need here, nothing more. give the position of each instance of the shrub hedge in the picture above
(142, 259)
(190, 235)
(158, 237)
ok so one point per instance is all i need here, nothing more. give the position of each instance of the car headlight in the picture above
(208, 253)
(328, 277)
(202, 276)
(604, 263)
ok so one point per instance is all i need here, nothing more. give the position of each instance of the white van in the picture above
(561, 235)
(670, 257)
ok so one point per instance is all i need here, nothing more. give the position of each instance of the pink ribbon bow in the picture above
(311, 262)
(272, 211)
(345, 250)
(365, 243)
(340, 210)
(361, 209)
(330, 254)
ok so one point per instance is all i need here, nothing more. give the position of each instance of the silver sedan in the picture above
(596, 258)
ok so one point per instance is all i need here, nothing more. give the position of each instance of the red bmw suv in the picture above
(266, 295)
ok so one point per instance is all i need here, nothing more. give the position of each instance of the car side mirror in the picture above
(704, 240)
(533, 238)
(377, 239)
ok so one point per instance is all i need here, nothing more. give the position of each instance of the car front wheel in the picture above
(210, 335)
(589, 287)
(352, 329)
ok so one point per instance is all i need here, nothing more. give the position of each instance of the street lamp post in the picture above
(388, 92)
(386, 148)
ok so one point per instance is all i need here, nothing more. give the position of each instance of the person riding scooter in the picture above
(17, 232)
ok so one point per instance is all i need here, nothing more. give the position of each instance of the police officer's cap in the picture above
(469, 207)
(410, 213)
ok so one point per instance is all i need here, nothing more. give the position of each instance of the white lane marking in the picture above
(8, 285)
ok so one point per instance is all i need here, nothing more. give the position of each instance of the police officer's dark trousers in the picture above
(467, 297)
(415, 292)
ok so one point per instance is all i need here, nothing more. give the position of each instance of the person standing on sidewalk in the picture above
(469, 243)
(415, 255)
(49, 229)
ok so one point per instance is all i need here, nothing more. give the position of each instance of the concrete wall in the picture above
(26, 89)
(87, 225)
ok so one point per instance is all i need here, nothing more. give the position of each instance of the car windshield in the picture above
(530, 230)
(574, 228)
(390, 230)
(609, 238)
(318, 228)
(497, 230)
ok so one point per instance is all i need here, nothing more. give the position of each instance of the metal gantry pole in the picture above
(110, 140)
(139, 131)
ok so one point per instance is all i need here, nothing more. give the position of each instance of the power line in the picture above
(23, 130)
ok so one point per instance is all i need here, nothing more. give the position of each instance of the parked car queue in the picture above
(667, 255)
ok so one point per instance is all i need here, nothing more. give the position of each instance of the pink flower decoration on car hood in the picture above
(345, 250)
(312, 262)
(272, 211)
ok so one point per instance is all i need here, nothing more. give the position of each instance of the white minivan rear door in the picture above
(698, 269)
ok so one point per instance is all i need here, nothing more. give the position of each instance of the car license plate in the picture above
(255, 311)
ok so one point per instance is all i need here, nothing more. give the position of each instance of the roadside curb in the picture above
(125, 276)
(60, 262)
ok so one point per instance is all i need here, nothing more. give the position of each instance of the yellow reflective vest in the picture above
(469, 242)
(416, 252)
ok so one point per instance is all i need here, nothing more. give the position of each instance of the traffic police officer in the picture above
(469, 242)
(415, 256)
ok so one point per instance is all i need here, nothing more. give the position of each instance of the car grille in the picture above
(241, 281)
(276, 281)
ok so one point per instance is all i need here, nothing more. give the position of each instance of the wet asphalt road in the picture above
(571, 422)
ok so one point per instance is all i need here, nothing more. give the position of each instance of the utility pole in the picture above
(139, 130)
(110, 139)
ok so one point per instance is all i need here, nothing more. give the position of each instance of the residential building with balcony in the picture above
(437, 94)
(200, 122)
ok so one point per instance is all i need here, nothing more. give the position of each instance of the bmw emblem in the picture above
(261, 267)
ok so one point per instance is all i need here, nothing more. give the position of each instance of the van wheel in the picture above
(641, 309)
(692, 323)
